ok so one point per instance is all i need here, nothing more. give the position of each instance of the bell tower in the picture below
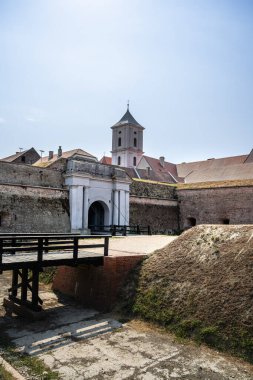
(127, 141)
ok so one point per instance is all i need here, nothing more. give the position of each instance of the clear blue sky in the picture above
(67, 68)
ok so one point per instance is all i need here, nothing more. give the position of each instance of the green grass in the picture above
(151, 305)
(4, 375)
(47, 276)
(33, 366)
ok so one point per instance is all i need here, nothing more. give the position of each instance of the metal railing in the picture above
(121, 230)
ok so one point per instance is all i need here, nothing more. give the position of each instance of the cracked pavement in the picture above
(82, 344)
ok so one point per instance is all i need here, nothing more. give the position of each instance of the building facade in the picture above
(127, 141)
(98, 195)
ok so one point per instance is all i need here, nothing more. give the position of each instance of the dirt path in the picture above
(83, 344)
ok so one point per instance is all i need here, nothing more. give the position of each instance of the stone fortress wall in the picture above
(18, 174)
(32, 200)
(169, 208)
(220, 203)
(154, 204)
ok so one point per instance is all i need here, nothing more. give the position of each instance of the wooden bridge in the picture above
(27, 254)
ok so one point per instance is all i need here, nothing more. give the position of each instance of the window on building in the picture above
(134, 161)
(23, 158)
(191, 222)
(135, 142)
(119, 141)
(225, 221)
(119, 132)
(119, 160)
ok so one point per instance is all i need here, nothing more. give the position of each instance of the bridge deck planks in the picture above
(50, 259)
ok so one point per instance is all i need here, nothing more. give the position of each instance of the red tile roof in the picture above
(106, 160)
(45, 162)
(225, 173)
(186, 168)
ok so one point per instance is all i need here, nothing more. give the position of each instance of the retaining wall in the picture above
(96, 287)
(33, 209)
(19, 174)
(155, 205)
(233, 205)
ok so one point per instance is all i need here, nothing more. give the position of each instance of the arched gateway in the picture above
(98, 194)
(96, 216)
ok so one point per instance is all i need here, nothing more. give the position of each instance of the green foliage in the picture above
(151, 304)
(47, 276)
(33, 366)
(36, 367)
(4, 375)
(209, 335)
(186, 328)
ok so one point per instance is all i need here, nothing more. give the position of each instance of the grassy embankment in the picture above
(199, 287)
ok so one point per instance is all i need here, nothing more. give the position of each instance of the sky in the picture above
(68, 68)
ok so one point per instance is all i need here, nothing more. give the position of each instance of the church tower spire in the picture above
(127, 141)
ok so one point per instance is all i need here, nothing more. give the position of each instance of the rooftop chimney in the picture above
(51, 155)
(59, 152)
(162, 159)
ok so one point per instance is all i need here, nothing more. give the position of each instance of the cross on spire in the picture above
(128, 105)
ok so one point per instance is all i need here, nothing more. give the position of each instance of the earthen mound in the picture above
(201, 286)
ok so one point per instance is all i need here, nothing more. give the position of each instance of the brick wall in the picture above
(216, 205)
(33, 209)
(96, 287)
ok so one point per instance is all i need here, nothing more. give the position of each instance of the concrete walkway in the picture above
(134, 245)
(84, 344)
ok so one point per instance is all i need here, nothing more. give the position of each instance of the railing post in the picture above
(24, 285)
(13, 244)
(138, 230)
(46, 245)
(124, 230)
(1, 251)
(75, 248)
(14, 287)
(35, 287)
(40, 249)
(114, 230)
(149, 230)
(106, 248)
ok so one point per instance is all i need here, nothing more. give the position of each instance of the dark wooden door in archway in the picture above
(96, 214)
